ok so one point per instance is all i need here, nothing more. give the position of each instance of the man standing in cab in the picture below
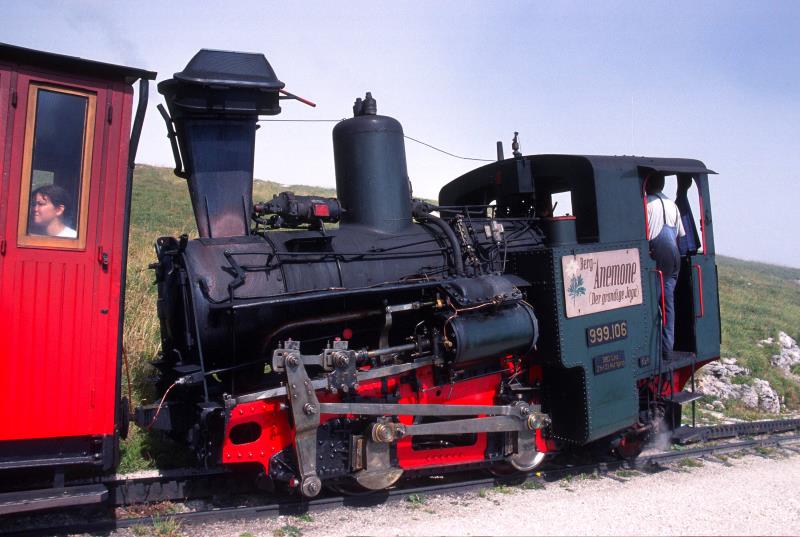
(663, 229)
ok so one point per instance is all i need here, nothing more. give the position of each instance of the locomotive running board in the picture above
(35, 500)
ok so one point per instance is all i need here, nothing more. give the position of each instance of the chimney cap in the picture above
(232, 69)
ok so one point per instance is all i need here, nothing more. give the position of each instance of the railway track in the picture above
(191, 484)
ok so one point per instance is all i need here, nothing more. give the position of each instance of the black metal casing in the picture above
(371, 175)
(224, 296)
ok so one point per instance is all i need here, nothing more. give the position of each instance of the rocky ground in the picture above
(752, 495)
(727, 380)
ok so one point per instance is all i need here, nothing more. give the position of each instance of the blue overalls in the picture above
(664, 249)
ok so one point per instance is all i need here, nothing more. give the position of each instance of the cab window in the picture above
(56, 168)
(682, 189)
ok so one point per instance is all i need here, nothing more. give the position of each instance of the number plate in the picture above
(606, 333)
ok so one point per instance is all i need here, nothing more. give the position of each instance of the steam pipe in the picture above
(458, 259)
(326, 319)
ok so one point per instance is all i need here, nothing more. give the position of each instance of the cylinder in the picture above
(493, 333)
(371, 174)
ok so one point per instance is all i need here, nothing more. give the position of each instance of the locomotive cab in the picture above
(600, 347)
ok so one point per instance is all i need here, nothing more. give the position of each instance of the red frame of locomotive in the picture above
(278, 434)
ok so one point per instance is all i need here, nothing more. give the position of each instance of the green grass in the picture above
(765, 451)
(626, 474)
(690, 463)
(756, 301)
(416, 500)
(288, 530)
(166, 527)
(533, 484)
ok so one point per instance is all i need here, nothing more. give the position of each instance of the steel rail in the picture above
(455, 481)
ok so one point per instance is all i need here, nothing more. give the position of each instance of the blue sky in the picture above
(716, 81)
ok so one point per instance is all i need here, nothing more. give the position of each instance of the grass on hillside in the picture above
(757, 300)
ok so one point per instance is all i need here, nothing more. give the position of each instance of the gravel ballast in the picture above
(752, 496)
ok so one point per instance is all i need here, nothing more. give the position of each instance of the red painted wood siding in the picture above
(59, 310)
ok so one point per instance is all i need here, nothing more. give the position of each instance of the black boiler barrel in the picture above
(371, 174)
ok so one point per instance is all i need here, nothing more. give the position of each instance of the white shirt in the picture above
(655, 215)
(68, 232)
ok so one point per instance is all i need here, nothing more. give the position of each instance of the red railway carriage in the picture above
(66, 154)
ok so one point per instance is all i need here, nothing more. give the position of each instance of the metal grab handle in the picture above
(663, 304)
(180, 170)
(644, 200)
(700, 289)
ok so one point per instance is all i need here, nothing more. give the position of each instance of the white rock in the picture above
(725, 371)
(717, 382)
(789, 353)
(768, 341)
(729, 361)
(768, 399)
(747, 395)
(787, 342)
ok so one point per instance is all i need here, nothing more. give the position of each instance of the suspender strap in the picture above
(663, 209)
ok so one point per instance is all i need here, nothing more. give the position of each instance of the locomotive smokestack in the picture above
(215, 103)
(371, 175)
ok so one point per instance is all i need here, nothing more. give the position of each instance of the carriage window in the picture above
(54, 196)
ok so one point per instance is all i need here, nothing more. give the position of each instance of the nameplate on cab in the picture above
(608, 362)
(601, 281)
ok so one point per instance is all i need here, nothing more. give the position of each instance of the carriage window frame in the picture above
(25, 239)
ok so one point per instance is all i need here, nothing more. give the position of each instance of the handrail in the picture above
(702, 221)
(663, 304)
(644, 197)
(180, 170)
(700, 289)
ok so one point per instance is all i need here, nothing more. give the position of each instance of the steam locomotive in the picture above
(400, 340)
(326, 341)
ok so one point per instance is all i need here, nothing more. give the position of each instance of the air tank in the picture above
(371, 175)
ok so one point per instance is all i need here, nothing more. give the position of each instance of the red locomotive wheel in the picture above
(630, 446)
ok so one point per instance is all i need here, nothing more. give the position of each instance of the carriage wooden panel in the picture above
(59, 299)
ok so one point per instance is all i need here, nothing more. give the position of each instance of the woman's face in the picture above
(44, 211)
